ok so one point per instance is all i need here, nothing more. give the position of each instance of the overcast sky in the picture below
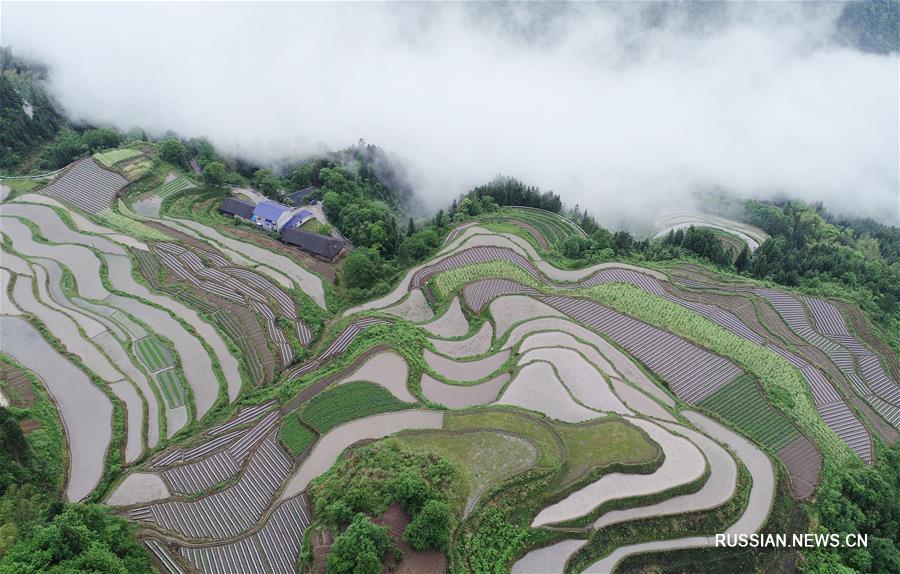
(620, 110)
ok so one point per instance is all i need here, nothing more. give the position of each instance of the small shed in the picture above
(322, 246)
(236, 208)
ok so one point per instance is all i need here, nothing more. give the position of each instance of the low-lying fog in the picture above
(624, 109)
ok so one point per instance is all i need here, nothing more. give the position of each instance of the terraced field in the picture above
(177, 185)
(576, 402)
(112, 157)
(87, 186)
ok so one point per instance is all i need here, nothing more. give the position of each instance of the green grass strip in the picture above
(348, 402)
(112, 157)
(740, 403)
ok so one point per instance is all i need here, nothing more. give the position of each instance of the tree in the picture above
(411, 491)
(359, 549)
(743, 260)
(410, 227)
(266, 182)
(325, 229)
(78, 538)
(361, 269)
(431, 527)
(174, 152)
(66, 149)
(214, 174)
(99, 139)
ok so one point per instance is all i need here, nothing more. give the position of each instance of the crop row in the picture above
(348, 402)
(238, 286)
(170, 384)
(224, 462)
(224, 434)
(232, 510)
(740, 403)
(338, 346)
(112, 157)
(154, 354)
(691, 372)
(87, 186)
(130, 226)
(177, 185)
(273, 548)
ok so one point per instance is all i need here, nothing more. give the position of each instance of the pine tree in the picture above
(743, 260)
(410, 227)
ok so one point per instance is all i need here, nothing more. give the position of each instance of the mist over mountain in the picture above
(625, 110)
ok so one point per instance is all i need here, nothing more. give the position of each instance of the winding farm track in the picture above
(752, 236)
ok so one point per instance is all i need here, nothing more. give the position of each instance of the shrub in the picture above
(359, 549)
(431, 527)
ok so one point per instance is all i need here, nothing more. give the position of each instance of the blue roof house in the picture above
(270, 215)
(297, 219)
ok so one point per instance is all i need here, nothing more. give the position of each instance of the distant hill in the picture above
(27, 116)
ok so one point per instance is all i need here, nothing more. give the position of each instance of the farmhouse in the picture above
(271, 215)
(236, 208)
(322, 246)
(299, 197)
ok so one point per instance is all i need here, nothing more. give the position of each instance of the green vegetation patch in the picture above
(348, 402)
(782, 382)
(295, 436)
(112, 157)
(740, 403)
(18, 186)
(487, 458)
(130, 226)
(550, 445)
(860, 499)
(171, 387)
(368, 479)
(311, 225)
(154, 353)
(448, 282)
(177, 185)
(601, 443)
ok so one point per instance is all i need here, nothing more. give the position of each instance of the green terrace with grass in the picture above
(783, 384)
(175, 186)
(154, 353)
(172, 387)
(112, 157)
(348, 402)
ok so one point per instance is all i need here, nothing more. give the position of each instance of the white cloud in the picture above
(616, 114)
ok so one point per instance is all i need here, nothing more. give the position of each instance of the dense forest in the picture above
(861, 500)
(39, 532)
(27, 118)
(855, 259)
